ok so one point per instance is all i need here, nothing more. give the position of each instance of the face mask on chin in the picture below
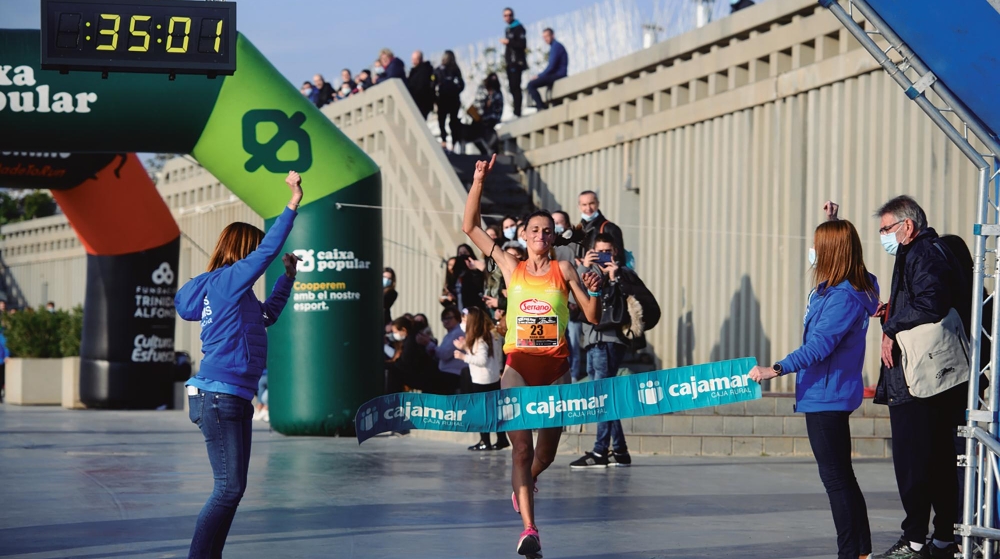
(812, 257)
(590, 217)
(523, 243)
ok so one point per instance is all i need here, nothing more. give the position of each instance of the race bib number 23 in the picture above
(537, 331)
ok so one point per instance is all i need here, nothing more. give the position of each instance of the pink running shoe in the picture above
(530, 545)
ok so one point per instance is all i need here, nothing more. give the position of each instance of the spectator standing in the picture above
(420, 83)
(828, 366)
(347, 85)
(324, 91)
(482, 351)
(514, 56)
(413, 367)
(509, 227)
(926, 284)
(468, 278)
(574, 328)
(449, 369)
(605, 348)
(557, 68)
(388, 294)
(307, 90)
(392, 66)
(449, 85)
(364, 80)
(50, 307)
(488, 110)
(593, 223)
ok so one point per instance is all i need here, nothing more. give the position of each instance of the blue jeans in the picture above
(830, 438)
(262, 390)
(603, 359)
(226, 422)
(573, 332)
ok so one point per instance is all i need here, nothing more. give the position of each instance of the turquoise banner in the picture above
(537, 407)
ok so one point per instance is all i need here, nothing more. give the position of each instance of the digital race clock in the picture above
(168, 36)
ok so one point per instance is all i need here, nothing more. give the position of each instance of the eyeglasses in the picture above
(885, 230)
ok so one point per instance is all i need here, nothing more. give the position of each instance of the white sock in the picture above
(916, 546)
(940, 544)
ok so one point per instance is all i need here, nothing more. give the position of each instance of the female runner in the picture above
(536, 347)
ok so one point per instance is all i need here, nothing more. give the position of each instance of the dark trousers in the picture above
(533, 86)
(453, 124)
(226, 422)
(3, 377)
(830, 438)
(514, 80)
(923, 454)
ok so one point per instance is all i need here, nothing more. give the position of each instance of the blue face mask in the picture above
(812, 257)
(386, 282)
(889, 243)
(509, 233)
(523, 243)
(590, 217)
(559, 229)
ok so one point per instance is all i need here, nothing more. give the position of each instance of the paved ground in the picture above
(91, 485)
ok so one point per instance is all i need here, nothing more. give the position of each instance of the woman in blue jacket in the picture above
(234, 344)
(828, 386)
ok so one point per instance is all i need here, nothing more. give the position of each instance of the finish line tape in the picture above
(537, 407)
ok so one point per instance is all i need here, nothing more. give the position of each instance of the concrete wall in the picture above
(715, 152)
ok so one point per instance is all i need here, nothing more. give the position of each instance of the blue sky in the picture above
(302, 37)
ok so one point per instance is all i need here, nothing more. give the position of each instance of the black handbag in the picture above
(614, 308)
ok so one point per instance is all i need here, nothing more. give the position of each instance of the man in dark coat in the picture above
(324, 91)
(927, 283)
(514, 56)
(594, 223)
(421, 83)
(394, 67)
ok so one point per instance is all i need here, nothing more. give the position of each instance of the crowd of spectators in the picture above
(438, 89)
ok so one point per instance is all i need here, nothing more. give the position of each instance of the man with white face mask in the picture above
(927, 283)
(593, 223)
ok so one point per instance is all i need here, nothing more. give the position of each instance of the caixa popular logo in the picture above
(534, 306)
(163, 275)
(650, 393)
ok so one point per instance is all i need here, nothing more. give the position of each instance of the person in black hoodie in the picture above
(421, 83)
(514, 56)
(324, 91)
(449, 85)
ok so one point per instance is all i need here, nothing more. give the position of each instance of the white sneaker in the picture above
(265, 416)
(257, 414)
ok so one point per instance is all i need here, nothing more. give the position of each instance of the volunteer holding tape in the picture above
(234, 343)
(536, 347)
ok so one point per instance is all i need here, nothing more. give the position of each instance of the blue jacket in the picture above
(558, 62)
(233, 321)
(832, 355)
(395, 69)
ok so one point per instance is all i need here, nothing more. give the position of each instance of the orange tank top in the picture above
(537, 312)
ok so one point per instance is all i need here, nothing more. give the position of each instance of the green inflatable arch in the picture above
(249, 130)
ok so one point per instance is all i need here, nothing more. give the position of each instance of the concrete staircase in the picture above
(765, 427)
(503, 193)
